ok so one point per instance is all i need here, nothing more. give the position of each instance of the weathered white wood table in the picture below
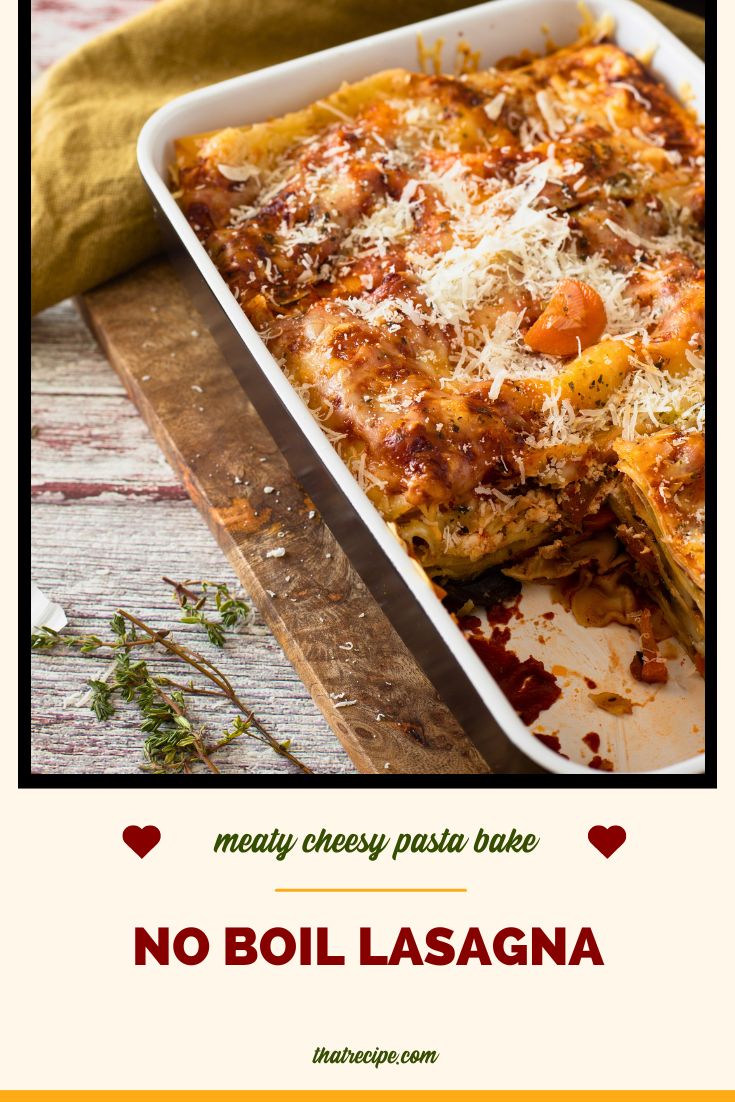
(109, 519)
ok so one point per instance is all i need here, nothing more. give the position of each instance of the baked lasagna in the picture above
(488, 288)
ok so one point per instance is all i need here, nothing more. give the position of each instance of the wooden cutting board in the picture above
(330, 627)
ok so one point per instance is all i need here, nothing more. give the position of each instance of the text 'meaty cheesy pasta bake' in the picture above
(489, 290)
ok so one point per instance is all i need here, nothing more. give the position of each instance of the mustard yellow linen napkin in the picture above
(91, 216)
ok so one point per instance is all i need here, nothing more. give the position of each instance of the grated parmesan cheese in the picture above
(554, 123)
(494, 107)
(503, 241)
(239, 172)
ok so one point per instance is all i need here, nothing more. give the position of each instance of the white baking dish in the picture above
(660, 745)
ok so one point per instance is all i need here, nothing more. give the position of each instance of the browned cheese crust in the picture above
(394, 244)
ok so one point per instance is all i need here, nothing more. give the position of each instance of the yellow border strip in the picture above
(364, 1095)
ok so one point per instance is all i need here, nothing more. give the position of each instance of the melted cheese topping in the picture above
(395, 242)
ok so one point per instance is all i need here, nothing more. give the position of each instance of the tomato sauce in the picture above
(552, 742)
(529, 687)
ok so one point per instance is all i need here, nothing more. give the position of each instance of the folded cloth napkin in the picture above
(91, 216)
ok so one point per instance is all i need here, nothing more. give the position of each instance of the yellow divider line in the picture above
(364, 1095)
(370, 889)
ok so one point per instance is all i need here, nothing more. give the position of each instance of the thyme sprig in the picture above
(232, 611)
(174, 741)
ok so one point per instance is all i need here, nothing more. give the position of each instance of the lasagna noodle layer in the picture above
(395, 243)
(660, 502)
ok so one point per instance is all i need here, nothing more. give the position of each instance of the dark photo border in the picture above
(604, 781)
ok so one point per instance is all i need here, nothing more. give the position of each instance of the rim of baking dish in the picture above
(150, 146)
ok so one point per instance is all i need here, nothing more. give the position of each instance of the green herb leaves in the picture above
(174, 742)
(101, 700)
(232, 612)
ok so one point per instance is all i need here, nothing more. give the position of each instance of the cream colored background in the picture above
(80, 1015)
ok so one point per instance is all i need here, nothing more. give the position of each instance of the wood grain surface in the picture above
(329, 626)
(108, 519)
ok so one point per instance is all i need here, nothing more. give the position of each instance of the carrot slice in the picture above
(574, 318)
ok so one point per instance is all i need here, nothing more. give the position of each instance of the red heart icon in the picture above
(607, 839)
(141, 839)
